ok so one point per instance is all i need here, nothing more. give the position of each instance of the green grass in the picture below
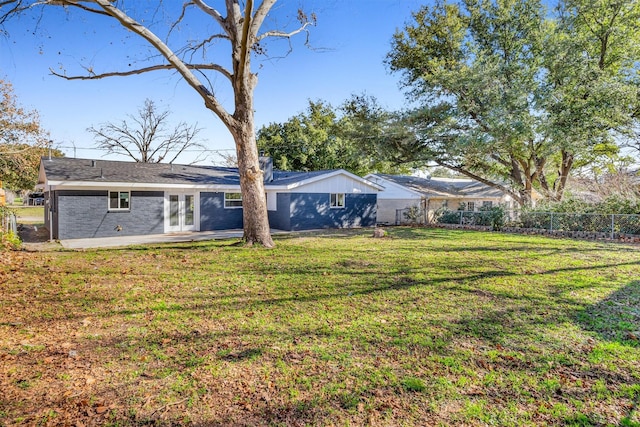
(422, 327)
(29, 214)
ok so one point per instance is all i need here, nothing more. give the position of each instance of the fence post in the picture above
(551, 223)
(613, 222)
(461, 213)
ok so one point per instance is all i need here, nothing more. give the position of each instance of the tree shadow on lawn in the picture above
(615, 318)
(499, 315)
(527, 334)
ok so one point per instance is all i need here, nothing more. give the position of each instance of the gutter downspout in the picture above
(50, 216)
(426, 204)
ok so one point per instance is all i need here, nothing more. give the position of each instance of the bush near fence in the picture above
(8, 228)
(494, 217)
(623, 227)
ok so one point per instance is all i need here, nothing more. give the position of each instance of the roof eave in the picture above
(116, 184)
(326, 176)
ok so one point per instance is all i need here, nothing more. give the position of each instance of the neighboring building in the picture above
(100, 198)
(406, 197)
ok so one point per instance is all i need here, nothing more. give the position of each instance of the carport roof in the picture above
(443, 187)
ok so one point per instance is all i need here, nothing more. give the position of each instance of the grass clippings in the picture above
(423, 327)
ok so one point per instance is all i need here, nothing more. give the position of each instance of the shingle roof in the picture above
(289, 177)
(87, 170)
(443, 187)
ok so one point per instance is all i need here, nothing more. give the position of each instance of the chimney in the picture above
(266, 164)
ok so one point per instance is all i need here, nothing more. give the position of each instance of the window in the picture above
(471, 206)
(487, 204)
(336, 200)
(232, 200)
(272, 201)
(119, 200)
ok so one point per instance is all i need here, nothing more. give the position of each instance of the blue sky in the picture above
(349, 45)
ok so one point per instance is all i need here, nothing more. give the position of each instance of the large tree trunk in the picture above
(254, 202)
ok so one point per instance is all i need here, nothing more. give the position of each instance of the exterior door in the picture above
(181, 212)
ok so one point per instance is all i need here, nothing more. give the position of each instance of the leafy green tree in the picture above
(512, 95)
(320, 138)
(22, 142)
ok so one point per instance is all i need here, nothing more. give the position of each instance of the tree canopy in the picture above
(512, 94)
(320, 138)
(22, 142)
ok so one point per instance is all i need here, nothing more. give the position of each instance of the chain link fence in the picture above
(413, 215)
(613, 226)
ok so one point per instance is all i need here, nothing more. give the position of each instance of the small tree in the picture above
(147, 138)
(22, 142)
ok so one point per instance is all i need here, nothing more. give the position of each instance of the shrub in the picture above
(9, 240)
(446, 216)
(413, 215)
(491, 216)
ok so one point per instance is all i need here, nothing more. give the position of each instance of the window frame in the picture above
(228, 201)
(487, 204)
(334, 200)
(119, 199)
(471, 206)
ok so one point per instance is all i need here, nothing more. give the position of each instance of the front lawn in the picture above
(423, 327)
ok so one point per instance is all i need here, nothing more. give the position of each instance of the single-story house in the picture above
(414, 199)
(101, 198)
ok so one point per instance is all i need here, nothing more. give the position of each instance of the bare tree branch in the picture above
(147, 139)
(260, 15)
(245, 44)
(75, 3)
(214, 14)
(137, 28)
(94, 76)
(281, 34)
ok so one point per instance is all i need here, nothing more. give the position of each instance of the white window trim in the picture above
(232, 200)
(118, 209)
(337, 206)
(272, 201)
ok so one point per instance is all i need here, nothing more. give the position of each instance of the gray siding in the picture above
(280, 218)
(311, 210)
(84, 214)
(213, 215)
